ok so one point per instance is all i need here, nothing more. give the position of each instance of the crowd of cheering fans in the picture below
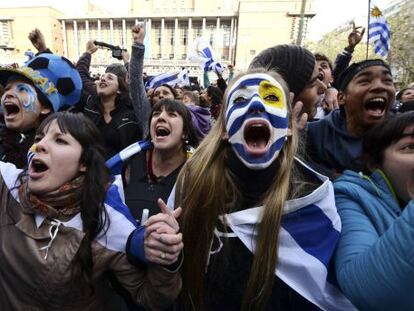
(287, 186)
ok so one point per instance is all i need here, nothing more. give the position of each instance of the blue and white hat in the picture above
(54, 77)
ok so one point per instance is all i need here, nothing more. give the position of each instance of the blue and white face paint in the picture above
(26, 94)
(21, 106)
(257, 119)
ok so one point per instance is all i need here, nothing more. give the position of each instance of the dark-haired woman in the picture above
(374, 260)
(151, 175)
(109, 106)
(62, 226)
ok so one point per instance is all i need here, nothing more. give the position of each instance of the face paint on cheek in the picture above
(257, 120)
(27, 96)
(31, 153)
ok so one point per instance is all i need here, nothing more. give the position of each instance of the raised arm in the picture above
(38, 40)
(140, 102)
(344, 58)
(83, 66)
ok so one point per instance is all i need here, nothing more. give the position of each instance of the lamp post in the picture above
(301, 22)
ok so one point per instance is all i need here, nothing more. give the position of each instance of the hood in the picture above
(201, 120)
(337, 122)
(377, 184)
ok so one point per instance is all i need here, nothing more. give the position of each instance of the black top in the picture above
(123, 129)
(14, 146)
(141, 193)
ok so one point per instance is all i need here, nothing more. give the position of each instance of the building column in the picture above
(111, 31)
(75, 32)
(235, 39)
(204, 26)
(176, 39)
(217, 38)
(124, 34)
(99, 39)
(231, 39)
(189, 36)
(87, 30)
(65, 40)
(162, 38)
(147, 40)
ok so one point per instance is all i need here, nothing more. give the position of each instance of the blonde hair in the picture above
(204, 186)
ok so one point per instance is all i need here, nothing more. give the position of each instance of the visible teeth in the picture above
(377, 100)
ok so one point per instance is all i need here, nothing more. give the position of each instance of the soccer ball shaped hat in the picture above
(54, 77)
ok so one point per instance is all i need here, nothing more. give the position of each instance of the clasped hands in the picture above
(163, 242)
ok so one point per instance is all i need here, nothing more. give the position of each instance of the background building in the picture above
(236, 29)
(15, 25)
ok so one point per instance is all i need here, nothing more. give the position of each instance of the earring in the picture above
(189, 150)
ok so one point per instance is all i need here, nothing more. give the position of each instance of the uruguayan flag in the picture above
(307, 239)
(183, 78)
(117, 161)
(172, 78)
(202, 54)
(119, 220)
(379, 32)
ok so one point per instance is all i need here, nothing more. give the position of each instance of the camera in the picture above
(116, 50)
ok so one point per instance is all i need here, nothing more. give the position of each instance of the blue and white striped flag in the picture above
(202, 53)
(379, 33)
(172, 78)
(308, 236)
(116, 163)
(183, 78)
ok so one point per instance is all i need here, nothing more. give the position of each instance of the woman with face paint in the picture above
(63, 227)
(249, 209)
(46, 84)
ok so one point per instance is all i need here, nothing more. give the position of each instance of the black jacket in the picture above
(120, 132)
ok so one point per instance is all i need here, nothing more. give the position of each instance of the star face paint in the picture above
(257, 119)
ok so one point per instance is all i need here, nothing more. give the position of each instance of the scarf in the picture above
(62, 202)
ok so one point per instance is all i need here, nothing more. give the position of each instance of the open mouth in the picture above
(162, 131)
(321, 76)
(38, 166)
(257, 136)
(102, 85)
(11, 109)
(376, 106)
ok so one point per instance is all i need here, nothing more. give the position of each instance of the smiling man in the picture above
(366, 93)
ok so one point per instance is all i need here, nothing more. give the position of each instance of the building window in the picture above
(183, 35)
(157, 35)
(5, 34)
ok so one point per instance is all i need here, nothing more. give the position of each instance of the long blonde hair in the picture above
(203, 188)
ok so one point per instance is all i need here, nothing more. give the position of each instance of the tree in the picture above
(401, 55)
(335, 41)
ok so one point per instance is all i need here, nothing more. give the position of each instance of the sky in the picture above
(329, 13)
(333, 13)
